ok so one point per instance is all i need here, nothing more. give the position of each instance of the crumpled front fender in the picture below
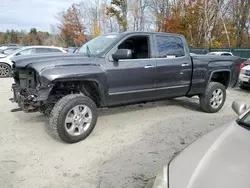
(71, 73)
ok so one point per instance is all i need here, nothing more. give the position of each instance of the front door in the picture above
(132, 80)
(174, 66)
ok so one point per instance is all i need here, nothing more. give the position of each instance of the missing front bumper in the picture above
(27, 103)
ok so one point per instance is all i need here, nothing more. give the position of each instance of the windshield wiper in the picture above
(87, 50)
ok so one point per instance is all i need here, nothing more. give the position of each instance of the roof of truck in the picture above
(141, 32)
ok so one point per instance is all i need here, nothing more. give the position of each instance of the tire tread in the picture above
(205, 97)
(55, 114)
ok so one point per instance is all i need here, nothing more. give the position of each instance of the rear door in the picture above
(174, 66)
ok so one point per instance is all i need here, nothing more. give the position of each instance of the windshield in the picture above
(97, 45)
(15, 51)
(245, 120)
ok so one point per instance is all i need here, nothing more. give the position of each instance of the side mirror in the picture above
(122, 54)
(240, 107)
(18, 54)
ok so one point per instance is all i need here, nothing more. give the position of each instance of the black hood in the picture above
(40, 62)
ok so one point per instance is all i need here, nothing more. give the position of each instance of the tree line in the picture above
(204, 23)
(33, 37)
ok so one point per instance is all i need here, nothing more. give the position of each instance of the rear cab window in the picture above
(169, 46)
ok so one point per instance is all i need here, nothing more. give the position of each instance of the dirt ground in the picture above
(127, 147)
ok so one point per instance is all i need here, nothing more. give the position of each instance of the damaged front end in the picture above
(28, 91)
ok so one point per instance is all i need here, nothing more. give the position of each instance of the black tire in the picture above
(5, 70)
(206, 97)
(60, 111)
(241, 86)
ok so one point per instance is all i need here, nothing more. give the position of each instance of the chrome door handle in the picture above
(185, 65)
(148, 66)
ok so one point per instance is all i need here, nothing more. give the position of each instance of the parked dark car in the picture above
(118, 69)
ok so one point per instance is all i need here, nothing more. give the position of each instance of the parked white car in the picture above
(244, 77)
(8, 51)
(220, 53)
(6, 63)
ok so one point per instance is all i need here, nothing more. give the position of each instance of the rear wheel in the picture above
(214, 97)
(73, 118)
(5, 70)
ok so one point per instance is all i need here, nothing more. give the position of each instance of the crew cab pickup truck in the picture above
(118, 69)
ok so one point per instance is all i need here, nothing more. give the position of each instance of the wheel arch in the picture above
(222, 76)
(89, 87)
(6, 64)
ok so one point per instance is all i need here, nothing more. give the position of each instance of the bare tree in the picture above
(240, 10)
(223, 22)
(119, 10)
(72, 27)
(161, 10)
(137, 9)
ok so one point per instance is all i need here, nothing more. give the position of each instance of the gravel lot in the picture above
(127, 147)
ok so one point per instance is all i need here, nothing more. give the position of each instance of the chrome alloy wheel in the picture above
(4, 70)
(78, 120)
(216, 98)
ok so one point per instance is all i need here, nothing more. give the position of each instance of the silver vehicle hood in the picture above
(219, 159)
(2, 55)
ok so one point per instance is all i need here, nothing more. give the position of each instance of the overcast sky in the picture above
(26, 14)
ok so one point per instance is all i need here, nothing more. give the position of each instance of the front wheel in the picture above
(5, 70)
(214, 97)
(73, 118)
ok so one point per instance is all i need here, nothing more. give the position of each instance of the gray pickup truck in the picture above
(118, 69)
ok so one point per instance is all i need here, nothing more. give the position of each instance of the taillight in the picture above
(240, 67)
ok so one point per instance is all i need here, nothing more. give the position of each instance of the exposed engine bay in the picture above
(31, 96)
(25, 89)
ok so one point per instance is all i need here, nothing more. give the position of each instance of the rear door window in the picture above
(55, 50)
(42, 50)
(169, 47)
